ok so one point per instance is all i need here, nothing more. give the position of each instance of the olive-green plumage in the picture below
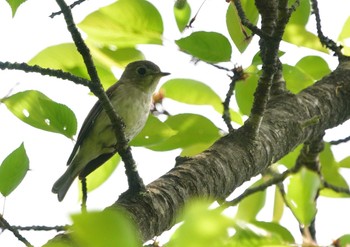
(131, 97)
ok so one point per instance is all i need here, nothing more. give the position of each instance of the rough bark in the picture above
(289, 120)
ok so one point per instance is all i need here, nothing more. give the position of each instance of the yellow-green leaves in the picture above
(239, 34)
(211, 47)
(301, 195)
(106, 228)
(197, 93)
(182, 13)
(39, 111)
(14, 4)
(296, 32)
(153, 133)
(125, 23)
(13, 169)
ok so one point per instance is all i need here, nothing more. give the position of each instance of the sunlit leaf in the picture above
(250, 206)
(240, 35)
(105, 228)
(299, 36)
(13, 169)
(14, 4)
(290, 159)
(101, 174)
(66, 57)
(345, 32)
(182, 14)
(275, 229)
(39, 111)
(278, 206)
(314, 66)
(125, 23)
(301, 195)
(330, 172)
(191, 130)
(201, 227)
(245, 92)
(260, 234)
(154, 132)
(207, 46)
(345, 163)
(197, 93)
(296, 79)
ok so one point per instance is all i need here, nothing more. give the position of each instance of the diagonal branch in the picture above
(234, 158)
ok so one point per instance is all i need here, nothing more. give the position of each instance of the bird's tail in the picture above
(61, 186)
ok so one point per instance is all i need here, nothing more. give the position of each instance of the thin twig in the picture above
(41, 228)
(336, 142)
(5, 225)
(238, 74)
(44, 71)
(327, 42)
(70, 6)
(245, 21)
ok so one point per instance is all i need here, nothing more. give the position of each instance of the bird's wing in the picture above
(88, 123)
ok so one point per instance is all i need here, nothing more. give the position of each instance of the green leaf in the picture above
(296, 79)
(125, 23)
(278, 206)
(345, 32)
(245, 91)
(154, 132)
(250, 206)
(330, 172)
(182, 14)
(275, 229)
(345, 163)
(13, 169)
(201, 227)
(290, 159)
(314, 66)
(301, 195)
(106, 228)
(261, 234)
(344, 240)
(39, 111)
(211, 47)
(239, 34)
(191, 130)
(197, 93)
(301, 15)
(101, 174)
(299, 36)
(14, 4)
(66, 58)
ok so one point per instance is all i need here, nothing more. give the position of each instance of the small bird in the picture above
(131, 98)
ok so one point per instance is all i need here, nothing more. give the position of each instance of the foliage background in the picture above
(32, 202)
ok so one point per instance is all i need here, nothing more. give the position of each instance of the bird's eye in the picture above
(141, 70)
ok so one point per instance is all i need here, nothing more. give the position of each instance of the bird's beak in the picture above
(164, 74)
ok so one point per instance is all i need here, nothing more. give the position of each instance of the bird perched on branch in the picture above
(131, 98)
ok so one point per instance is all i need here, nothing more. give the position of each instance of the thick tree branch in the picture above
(234, 159)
